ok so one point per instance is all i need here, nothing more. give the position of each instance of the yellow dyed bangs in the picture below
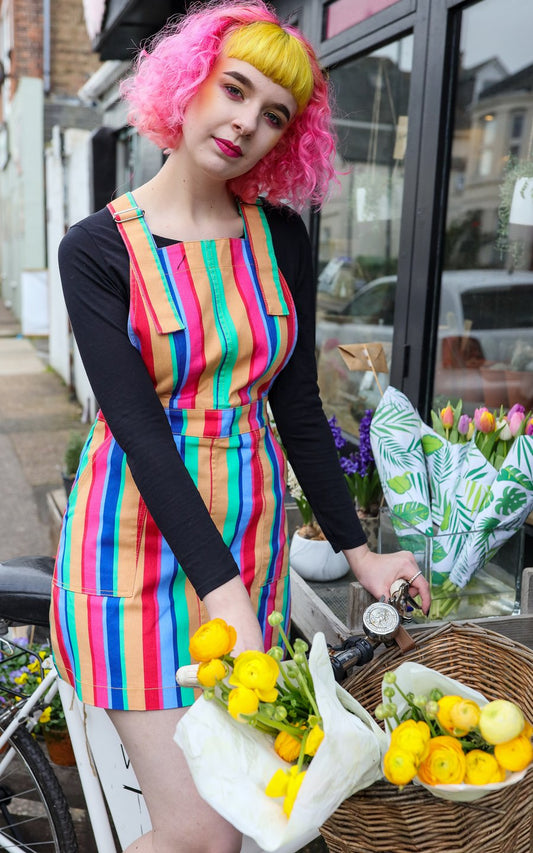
(276, 54)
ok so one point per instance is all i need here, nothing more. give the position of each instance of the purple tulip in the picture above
(463, 425)
(514, 409)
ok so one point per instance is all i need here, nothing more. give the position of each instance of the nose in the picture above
(245, 122)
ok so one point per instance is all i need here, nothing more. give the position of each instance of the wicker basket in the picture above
(382, 819)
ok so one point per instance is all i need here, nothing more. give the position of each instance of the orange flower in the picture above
(287, 746)
(515, 754)
(444, 764)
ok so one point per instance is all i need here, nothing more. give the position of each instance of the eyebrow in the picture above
(247, 82)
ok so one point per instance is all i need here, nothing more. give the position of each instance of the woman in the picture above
(192, 304)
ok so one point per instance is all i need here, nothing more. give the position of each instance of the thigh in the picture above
(181, 819)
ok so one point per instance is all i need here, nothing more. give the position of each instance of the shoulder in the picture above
(98, 228)
(284, 222)
(291, 244)
(92, 251)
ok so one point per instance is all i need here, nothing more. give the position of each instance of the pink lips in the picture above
(228, 147)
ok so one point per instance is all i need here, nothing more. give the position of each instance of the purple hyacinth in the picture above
(337, 433)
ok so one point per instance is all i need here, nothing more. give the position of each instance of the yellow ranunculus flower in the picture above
(293, 786)
(277, 787)
(515, 754)
(46, 714)
(465, 716)
(314, 739)
(399, 766)
(444, 764)
(213, 640)
(209, 672)
(412, 737)
(446, 704)
(482, 768)
(241, 700)
(257, 671)
(287, 746)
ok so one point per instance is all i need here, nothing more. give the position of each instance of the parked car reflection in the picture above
(485, 339)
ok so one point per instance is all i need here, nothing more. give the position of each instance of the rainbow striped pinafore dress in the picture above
(214, 322)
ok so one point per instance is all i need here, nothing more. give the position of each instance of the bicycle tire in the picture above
(34, 813)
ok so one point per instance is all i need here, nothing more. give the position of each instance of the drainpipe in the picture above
(46, 46)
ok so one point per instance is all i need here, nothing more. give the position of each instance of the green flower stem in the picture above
(279, 725)
(301, 756)
(285, 639)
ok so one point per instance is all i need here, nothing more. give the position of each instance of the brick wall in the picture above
(72, 60)
(27, 55)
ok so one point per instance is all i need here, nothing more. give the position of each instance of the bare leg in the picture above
(182, 822)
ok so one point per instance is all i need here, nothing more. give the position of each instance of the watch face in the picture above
(381, 620)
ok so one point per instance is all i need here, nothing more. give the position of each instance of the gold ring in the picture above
(414, 577)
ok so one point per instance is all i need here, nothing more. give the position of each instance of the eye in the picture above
(232, 91)
(274, 119)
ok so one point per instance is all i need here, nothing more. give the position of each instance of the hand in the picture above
(232, 603)
(377, 572)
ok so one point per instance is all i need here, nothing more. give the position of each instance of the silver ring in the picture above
(414, 578)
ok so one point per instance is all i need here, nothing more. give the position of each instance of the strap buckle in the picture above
(128, 213)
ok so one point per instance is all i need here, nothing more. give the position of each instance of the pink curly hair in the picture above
(298, 171)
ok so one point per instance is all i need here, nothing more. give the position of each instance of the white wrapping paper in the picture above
(232, 763)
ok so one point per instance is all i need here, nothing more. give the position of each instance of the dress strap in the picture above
(260, 239)
(145, 263)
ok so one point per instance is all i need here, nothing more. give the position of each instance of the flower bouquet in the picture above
(448, 738)
(466, 485)
(275, 746)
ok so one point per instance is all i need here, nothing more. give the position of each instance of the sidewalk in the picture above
(37, 414)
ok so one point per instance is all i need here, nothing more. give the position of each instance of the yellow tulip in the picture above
(209, 672)
(242, 701)
(515, 754)
(213, 640)
(399, 766)
(314, 739)
(444, 764)
(412, 737)
(287, 746)
(482, 768)
(258, 672)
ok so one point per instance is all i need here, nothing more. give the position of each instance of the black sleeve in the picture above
(295, 400)
(93, 264)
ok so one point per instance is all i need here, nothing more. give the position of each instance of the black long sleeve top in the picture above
(94, 268)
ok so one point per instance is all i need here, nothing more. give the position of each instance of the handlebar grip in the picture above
(187, 676)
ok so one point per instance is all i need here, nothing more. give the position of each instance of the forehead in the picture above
(249, 76)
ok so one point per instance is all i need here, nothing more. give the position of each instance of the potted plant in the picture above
(515, 210)
(23, 671)
(71, 459)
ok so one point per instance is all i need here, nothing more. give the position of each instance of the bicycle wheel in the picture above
(34, 814)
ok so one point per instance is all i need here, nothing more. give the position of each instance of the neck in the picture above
(183, 206)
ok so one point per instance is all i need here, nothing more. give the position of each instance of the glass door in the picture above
(360, 228)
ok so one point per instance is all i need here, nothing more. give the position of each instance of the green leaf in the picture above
(400, 484)
(515, 475)
(412, 542)
(431, 443)
(412, 512)
(438, 553)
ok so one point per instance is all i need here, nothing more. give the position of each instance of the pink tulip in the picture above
(446, 417)
(514, 409)
(486, 421)
(515, 421)
(483, 416)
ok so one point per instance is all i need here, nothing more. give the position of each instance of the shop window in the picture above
(360, 226)
(342, 14)
(486, 308)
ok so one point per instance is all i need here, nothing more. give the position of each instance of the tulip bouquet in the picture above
(449, 738)
(465, 484)
(275, 746)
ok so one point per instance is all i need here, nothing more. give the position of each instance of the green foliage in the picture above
(72, 452)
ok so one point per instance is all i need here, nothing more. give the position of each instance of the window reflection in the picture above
(486, 337)
(360, 226)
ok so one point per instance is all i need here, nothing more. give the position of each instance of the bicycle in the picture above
(34, 812)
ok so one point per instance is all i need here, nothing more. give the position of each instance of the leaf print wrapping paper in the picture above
(509, 504)
(448, 491)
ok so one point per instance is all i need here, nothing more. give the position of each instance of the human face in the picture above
(237, 116)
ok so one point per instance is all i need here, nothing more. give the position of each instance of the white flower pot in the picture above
(315, 559)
